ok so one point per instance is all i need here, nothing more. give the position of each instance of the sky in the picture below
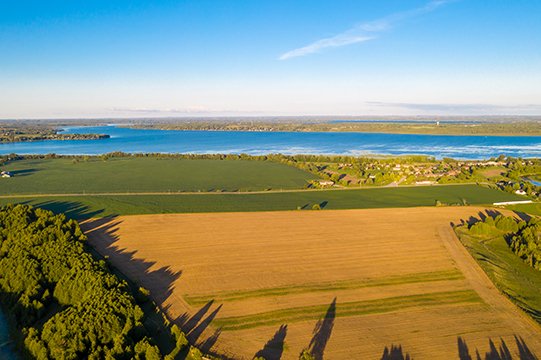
(165, 58)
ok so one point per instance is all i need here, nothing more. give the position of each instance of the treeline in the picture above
(19, 134)
(523, 238)
(67, 304)
(302, 158)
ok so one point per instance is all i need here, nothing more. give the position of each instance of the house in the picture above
(326, 183)
(6, 174)
(426, 182)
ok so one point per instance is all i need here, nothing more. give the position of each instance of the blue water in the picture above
(6, 346)
(256, 143)
(535, 182)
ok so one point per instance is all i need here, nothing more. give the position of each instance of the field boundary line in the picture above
(258, 192)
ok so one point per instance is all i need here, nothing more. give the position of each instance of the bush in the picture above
(481, 228)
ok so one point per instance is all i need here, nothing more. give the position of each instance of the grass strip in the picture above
(357, 308)
(325, 287)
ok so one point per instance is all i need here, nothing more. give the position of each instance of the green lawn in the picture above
(88, 206)
(55, 176)
(512, 276)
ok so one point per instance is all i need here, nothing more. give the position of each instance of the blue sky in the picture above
(119, 58)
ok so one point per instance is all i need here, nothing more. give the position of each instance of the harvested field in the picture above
(343, 284)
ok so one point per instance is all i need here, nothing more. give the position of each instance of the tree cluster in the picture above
(527, 243)
(67, 304)
(524, 238)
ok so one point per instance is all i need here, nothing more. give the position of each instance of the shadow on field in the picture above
(522, 215)
(496, 353)
(274, 348)
(24, 172)
(394, 353)
(102, 236)
(72, 209)
(322, 333)
(195, 325)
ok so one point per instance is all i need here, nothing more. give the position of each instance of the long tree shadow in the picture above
(463, 350)
(208, 343)
(23, 172)
(72, 209)
(522, 215)
(274, 348)
(395, 352)
(322, 333)
(496, 353)
(102, 237)
(523, 349)
(197, 331)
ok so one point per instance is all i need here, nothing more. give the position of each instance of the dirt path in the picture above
(482, 284)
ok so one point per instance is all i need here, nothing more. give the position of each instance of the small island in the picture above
(22, 132)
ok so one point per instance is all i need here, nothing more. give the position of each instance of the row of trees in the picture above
(67, 304)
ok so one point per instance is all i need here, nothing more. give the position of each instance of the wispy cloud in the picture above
(187, 111)
(363, 32)
(461, 108)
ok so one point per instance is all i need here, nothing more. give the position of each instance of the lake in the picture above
(256, 143)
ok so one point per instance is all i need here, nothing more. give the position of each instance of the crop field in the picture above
(368, 198)
(63, 175)
(339, 284)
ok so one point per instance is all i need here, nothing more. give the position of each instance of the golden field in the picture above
(342, 284)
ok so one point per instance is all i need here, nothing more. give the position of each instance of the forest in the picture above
(65, 302)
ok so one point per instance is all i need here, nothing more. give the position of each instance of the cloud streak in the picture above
(363, 32)
(462, 108)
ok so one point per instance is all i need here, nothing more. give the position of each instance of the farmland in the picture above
(369, 198)
(153, 174)
(514, 277)
(337, 283)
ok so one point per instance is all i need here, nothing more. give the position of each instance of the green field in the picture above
(105, 205)
(511, 275)
(152, 174)
(531, 209)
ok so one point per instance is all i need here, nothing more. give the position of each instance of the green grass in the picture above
(516, 279)
(357, 308)
(326, 287)
(106, 205)
(63, 175)
(532, 209)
